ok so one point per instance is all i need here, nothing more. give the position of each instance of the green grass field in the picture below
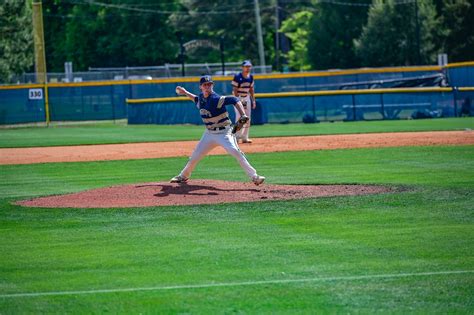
(119, 133)
(395, 253)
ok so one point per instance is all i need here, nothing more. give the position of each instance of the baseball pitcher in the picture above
(218, 129)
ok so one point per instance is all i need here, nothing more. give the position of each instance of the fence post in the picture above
(40, 54)
(112, 99)
(382, 105)
(455, 92)
(46, 103)
(353, 108)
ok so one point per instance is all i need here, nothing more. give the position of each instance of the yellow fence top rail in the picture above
(461, 64)
(310, 93)
(329, 73)
(156, 100)
(21, 86)
(354, 92)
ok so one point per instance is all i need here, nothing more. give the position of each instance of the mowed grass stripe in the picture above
(239, 284)
(111, 133)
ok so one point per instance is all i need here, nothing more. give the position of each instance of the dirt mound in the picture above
(192, 193)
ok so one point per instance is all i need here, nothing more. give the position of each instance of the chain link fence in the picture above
(141, 73)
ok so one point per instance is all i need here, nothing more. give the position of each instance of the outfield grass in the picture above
(427, 228)
(110, 133)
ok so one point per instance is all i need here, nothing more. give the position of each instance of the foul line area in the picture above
(238, 284)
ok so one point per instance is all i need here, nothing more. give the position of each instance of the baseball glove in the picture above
(240, 123)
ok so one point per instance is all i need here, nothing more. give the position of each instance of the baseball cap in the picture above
(206, 79)
(246, 63)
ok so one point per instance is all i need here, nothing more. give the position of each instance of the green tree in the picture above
(230, 19)
(56, 15)
(390, 37)
(332, 32)
(16, 44)
(109, 34)
(296, 28)
(457, 23)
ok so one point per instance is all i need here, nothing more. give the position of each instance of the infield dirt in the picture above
(131, 151)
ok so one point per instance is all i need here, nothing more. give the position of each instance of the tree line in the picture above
(309, 34)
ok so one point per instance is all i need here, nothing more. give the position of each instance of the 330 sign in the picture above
(35, 94)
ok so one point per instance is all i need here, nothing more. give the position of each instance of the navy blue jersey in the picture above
(243, 84)
(213, 111)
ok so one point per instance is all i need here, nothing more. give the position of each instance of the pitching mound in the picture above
(193, 193)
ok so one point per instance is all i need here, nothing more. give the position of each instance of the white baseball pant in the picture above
(212, 139)
(244, 132)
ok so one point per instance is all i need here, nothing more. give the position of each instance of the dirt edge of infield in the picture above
(132, 151)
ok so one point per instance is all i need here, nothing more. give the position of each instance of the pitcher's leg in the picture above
(205, 145)
(229, 143)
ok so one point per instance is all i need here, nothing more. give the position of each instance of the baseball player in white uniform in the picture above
(243, 87)
(218, 130)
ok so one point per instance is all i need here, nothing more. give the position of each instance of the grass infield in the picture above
(119, 133)
(354, 246)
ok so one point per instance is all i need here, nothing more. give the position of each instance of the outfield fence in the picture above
(347, 105)
(318, 96)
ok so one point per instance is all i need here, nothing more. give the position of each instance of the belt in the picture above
(217, 128)
(243, 99)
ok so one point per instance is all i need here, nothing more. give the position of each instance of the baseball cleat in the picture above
(258, 180)
(179, 179)
(247, 141)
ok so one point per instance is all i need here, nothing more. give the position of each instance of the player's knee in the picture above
(233, 151)
(237, 154)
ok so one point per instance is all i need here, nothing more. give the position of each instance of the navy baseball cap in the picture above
(246, 63)
(206, 79)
